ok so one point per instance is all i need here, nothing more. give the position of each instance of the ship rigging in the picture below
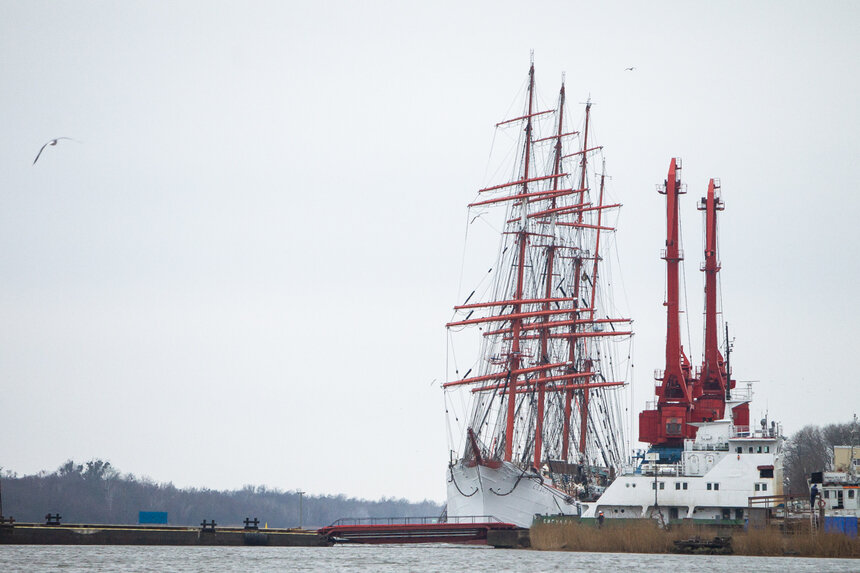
(546, 392)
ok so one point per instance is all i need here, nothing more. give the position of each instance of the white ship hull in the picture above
(505, 493)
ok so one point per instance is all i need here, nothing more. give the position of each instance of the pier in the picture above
(207, 534)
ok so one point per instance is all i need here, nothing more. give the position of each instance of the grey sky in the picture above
(242, 273)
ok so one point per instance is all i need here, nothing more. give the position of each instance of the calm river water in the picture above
(447, 558)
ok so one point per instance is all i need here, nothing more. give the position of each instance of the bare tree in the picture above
(839, 434)
(806, 451)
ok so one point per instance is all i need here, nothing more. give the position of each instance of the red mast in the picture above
(668, 424)
(583, 418)
(710, 387)
(714, 383)
(550, 260)
(577, 274)
(528, 325)
(522, 240)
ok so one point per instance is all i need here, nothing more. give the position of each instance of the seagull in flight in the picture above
(630, 69)
(52, 142)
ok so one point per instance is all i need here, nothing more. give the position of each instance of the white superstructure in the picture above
(714, 478)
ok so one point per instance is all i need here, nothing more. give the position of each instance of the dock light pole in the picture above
(301, 512)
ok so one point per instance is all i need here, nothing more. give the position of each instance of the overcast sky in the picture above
(242, 272)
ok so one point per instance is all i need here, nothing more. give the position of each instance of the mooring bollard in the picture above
(53, 519)
(208, 526)
(252, 524)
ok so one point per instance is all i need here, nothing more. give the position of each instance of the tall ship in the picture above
(705, 461)
(539, 414)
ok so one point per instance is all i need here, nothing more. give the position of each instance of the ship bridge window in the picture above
(685, 485)
(740, 449)
(826, 494)
(759, 450)
(662, 485)
(709, 486)
(758, 487)
(677, 485)
(767, 449)
(765, 473)
(750, 449)
(850, 494)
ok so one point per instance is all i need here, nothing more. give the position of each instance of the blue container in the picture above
(160, 518)
(845, 525)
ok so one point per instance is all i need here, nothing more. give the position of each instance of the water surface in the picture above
(387, 558)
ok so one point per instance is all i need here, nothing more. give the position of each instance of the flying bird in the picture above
(630, 69)
(52, 142)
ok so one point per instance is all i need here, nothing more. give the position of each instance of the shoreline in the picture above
(645, 536)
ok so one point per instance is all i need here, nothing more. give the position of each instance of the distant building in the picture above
(152, 518)
(846, 456)
(840, 489)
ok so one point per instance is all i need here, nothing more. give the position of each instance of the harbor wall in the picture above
(84, 534)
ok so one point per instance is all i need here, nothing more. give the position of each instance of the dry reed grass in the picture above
(771, 541)
(640, 536)
(645, 536)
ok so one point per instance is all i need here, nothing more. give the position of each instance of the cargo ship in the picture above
(705, 460)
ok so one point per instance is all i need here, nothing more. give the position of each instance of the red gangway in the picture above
(464, 529)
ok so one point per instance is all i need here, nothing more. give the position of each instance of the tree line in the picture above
(96, 492)
(810, 449)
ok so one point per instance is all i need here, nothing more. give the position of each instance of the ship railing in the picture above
(675, 469)
(664, 254)
(661, 187)
(628, 469)
(742, 394)
(659, 373)
(460, 519)
(754, 432)
(742, 432)
(693, 446)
